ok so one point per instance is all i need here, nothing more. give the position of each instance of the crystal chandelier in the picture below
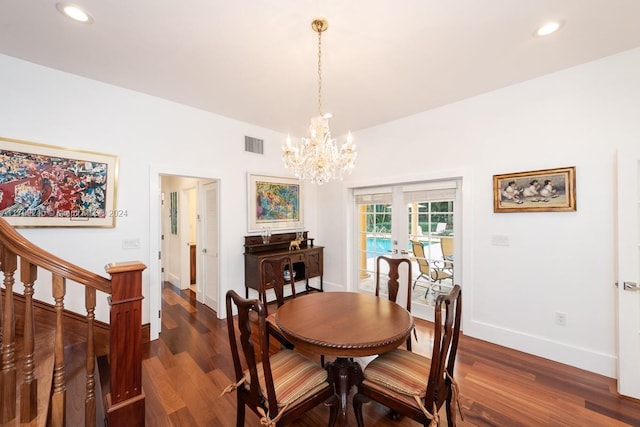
(317, 158)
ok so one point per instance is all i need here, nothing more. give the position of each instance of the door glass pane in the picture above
(374, 239)
(430, 248)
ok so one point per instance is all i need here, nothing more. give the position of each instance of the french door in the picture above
(392, 220)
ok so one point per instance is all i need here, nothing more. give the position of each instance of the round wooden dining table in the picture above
(345, 325)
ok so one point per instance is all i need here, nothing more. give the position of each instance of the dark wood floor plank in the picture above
(197, 391)
(162, 383)
(185, 371)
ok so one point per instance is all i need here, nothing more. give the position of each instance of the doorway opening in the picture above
(189, 236)
(415, 221)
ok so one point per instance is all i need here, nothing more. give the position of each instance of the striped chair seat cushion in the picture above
(401, 397)
(294, 377)
(400, 370)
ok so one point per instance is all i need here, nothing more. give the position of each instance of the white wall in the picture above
(51, 107)
(556, 261)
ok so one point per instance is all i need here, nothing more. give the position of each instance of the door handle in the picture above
(629, 286)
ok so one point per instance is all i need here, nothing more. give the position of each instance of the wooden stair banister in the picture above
(125, 401)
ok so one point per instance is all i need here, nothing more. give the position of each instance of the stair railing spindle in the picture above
(58, 399)
(8, 373)
(29, 388)
(90, 399)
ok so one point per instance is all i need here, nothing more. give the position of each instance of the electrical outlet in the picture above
(561, 318)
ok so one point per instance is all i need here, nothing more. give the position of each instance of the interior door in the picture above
(628, 272)
(210, 245)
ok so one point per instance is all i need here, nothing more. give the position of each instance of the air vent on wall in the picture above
(253, 145)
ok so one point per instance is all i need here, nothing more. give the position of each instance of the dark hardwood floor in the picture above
(186, 369)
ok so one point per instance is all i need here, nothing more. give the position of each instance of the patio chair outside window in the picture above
(433, 276)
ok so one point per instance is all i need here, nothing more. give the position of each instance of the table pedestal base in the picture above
(345, 373)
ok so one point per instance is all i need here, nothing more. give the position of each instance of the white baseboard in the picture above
(579, 357)
(174, 280)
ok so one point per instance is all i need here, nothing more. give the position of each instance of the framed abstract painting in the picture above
(47, 186)
(274, 203)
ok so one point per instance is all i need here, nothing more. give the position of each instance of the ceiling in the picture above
(256, 60)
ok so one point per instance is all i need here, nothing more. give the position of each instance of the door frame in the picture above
(156, 171)
(463, 218)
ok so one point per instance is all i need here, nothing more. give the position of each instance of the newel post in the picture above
(125, 401)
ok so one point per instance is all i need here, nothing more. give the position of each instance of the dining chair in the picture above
(413, 385)
(273, 273)
(278, 387)
(393, 285)
(276, 273)
(433, 275)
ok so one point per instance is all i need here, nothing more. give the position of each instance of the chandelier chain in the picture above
(319, 73)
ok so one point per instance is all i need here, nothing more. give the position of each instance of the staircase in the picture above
(48, 371)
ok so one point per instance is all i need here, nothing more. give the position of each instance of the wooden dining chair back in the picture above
(413, 385)
(393, 284)
(278, 387)
(276, 273)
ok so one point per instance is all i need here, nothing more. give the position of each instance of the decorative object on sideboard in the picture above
(295, 243)
(266, 235)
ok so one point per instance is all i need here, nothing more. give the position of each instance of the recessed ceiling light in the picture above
(74, 12)
(548, 28)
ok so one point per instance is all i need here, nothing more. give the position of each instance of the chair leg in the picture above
(358, 401)
(429, 289)
(451, 415)
(334, 404)
(240, 412)
(416, 281)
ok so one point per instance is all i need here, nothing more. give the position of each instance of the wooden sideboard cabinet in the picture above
(307, 261)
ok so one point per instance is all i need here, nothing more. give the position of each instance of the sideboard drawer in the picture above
(296, 256)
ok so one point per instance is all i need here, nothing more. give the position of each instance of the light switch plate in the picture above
(499, 240)
(131, 243)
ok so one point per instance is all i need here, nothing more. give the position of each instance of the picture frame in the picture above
(48, 186)
(274, 203)
(546, 190)
(173, 212)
